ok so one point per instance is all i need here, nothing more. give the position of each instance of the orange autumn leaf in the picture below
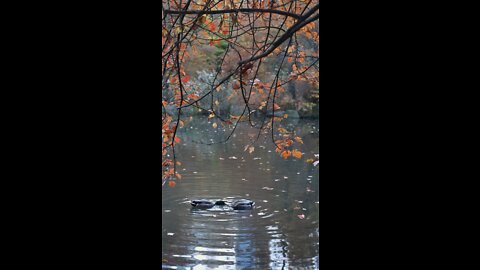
(286, 154)
(282, 130)
(171, 183)
(214, 42)
(299, 140)
(177, 140)
(185, 79)
(212, 27)
(297, 154)
(179, 176)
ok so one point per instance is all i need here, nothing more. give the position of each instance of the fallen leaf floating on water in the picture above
(221, 158)
(214, 125)
(171, 183)
(302, 216)
(233, 158)
(251, 149)
(267, 188)
(315, 163)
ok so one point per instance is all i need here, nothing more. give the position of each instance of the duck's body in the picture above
(243, 204)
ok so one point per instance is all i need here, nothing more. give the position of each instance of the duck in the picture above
(205, 204)
(243, 204)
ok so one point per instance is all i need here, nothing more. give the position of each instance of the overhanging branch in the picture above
(237, 10)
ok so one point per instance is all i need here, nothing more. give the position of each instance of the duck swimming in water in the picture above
(243, 204)
(204, 204)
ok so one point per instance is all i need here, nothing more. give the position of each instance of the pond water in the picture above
(281, 232)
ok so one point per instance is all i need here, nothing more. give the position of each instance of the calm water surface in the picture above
(271, 236)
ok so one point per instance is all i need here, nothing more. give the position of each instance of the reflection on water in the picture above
(271, 236)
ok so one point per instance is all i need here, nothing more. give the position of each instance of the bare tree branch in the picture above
(237, 10)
